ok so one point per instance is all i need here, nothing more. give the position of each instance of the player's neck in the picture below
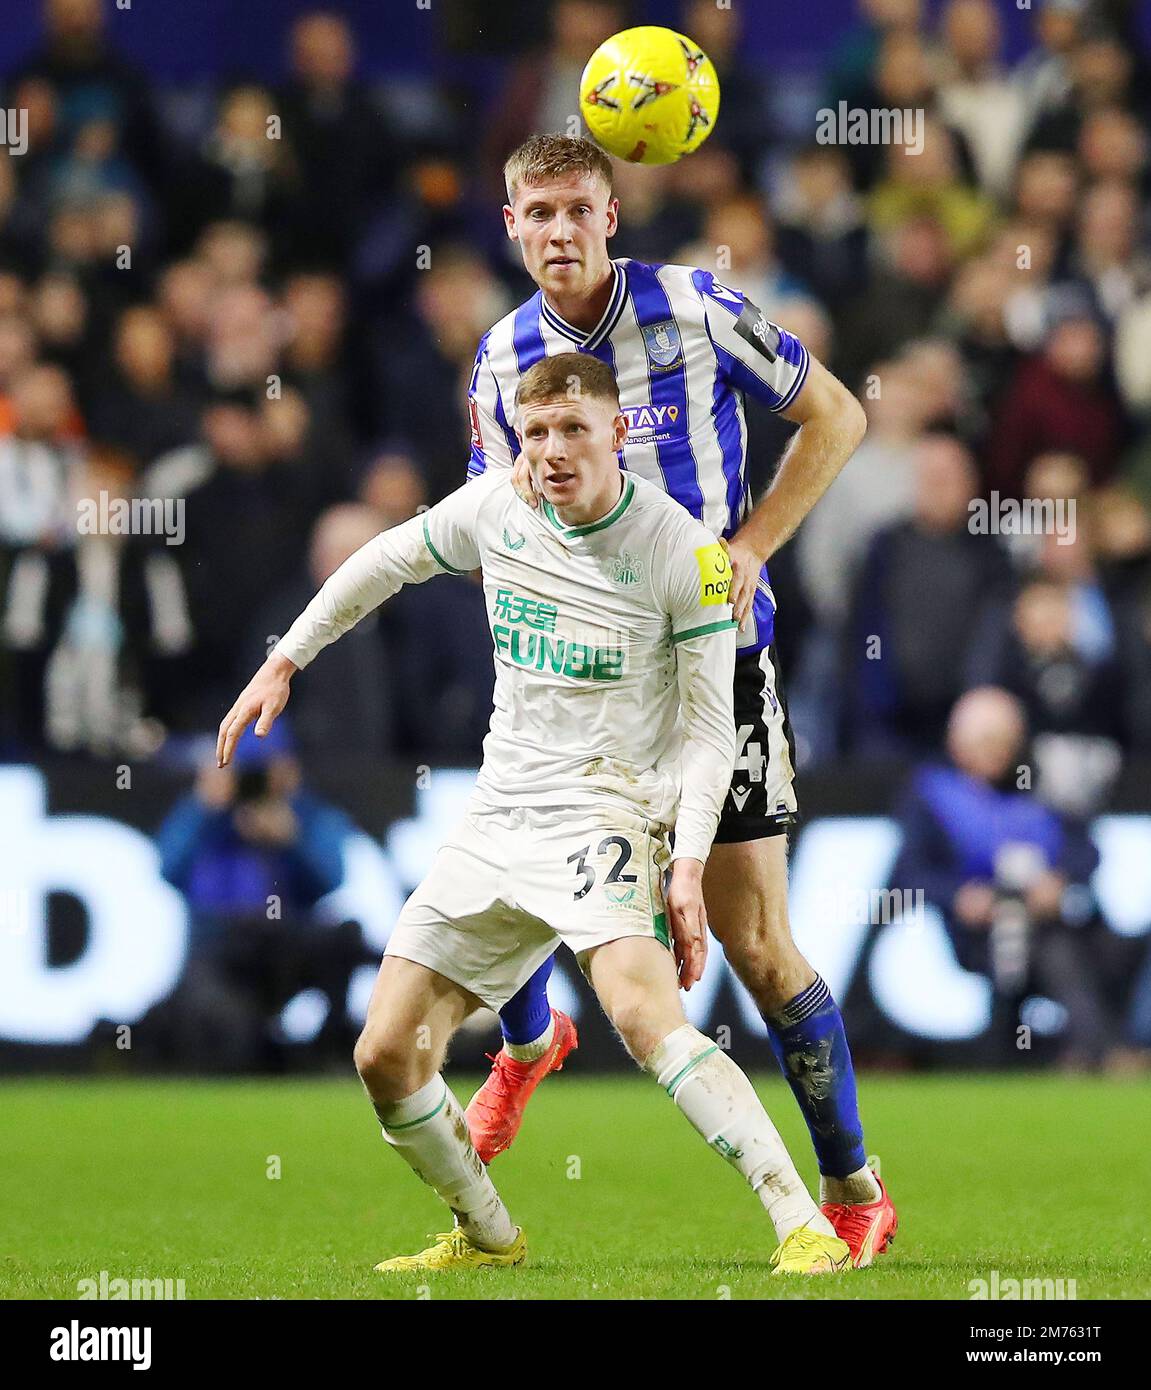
(584, 310)
(587, 513)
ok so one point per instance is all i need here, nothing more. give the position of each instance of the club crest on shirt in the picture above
(664, 345)
(626, 568)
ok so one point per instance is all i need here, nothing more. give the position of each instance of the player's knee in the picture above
(772, 969)
(385, 1064)
(638, 1025)
(366, 1056)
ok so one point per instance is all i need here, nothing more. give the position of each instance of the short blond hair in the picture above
(568, 376)
(547, 157)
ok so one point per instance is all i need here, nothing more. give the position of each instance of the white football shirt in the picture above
(602, 633)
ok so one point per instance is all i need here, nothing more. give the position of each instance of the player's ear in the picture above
(510, 223)
(619, 432)
(612, 216)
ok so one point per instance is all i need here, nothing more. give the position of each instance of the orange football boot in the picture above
(496, 1111)
(868, 1227)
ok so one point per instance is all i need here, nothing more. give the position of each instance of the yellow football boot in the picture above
(810, 1252)
(453, 1250)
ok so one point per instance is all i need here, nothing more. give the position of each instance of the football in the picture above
(649, 95)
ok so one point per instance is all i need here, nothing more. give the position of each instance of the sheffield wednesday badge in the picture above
(664, 345)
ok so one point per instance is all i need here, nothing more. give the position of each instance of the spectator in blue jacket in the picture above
(1009, 875)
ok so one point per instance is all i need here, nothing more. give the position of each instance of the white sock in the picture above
(531, 1052)
(721, 1103)
(430, 1132)
(859, 1186)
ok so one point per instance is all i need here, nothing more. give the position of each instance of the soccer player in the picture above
(686, 349)
(614, 649)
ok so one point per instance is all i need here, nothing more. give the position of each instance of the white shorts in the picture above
(511, 884)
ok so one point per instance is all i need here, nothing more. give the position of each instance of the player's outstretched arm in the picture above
(262, 699)
(439, 541)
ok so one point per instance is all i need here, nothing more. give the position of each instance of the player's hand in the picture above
(746, 567)
(688, 918)
(262, 699)
(523, 482)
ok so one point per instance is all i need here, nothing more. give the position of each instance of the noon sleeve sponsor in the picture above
(714, 574)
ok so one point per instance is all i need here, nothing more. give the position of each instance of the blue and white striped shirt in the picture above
(685, 349)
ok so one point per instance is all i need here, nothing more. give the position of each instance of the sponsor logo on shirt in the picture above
(537, 651)
(650, 420)
(714, 574)
(531, 612)
(620, 894)
(753, 327)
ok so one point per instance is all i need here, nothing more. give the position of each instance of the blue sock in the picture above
(527, 1013)
(810, 1044)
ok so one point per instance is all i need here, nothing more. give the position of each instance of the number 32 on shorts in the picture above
(616, 883)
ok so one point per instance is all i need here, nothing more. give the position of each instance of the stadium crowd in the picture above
(263, 302)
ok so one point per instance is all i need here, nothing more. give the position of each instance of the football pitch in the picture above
(284, 1189)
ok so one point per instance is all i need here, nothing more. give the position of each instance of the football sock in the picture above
(531, 1052)
(722, 1105)
(810, 1044)
(429, 1131)
(527, 1015)
(856, 1187)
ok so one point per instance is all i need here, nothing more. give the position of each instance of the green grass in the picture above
(1037, 1177)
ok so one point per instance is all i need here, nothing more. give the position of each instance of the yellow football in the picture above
(649, 95)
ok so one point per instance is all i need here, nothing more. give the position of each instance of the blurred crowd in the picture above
(258, 305)
(262, 302)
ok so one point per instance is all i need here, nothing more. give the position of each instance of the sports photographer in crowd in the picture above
(253, 853)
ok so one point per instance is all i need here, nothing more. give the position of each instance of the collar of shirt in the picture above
(608, 319)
